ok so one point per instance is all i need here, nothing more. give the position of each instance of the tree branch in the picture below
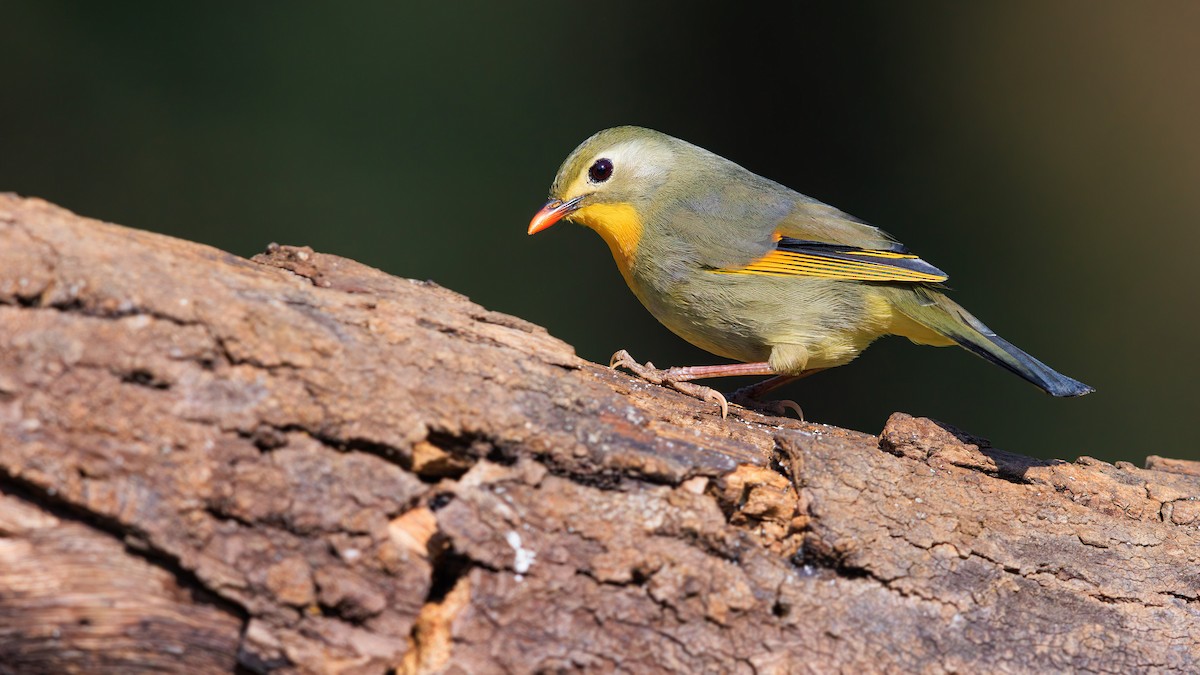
(298, 462)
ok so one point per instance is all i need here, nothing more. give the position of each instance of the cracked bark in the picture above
(299, 463)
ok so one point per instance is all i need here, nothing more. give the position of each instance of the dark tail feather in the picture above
(1050, 380)
(944, 316)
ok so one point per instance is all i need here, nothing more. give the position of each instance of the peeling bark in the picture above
(299, 463)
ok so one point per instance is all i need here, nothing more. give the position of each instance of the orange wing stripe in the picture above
(779, 263)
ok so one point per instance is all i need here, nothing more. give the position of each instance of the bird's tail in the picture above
(935, 312)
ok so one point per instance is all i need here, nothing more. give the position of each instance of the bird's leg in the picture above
(679, 378)
(750, 396)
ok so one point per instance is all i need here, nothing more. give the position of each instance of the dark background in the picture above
(1046, 155)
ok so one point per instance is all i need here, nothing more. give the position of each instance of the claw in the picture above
(622, 359)
(703, 393)
(776, 408)
(647, 372)
(791, 405)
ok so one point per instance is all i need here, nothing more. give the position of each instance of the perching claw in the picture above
(776, 408)
(622, 359)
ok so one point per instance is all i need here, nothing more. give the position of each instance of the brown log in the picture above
(300, 463)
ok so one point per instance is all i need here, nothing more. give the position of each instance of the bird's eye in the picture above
(600, 171)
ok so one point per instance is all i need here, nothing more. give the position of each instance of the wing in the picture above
(775, 231)
(815, 221)
(802, 258)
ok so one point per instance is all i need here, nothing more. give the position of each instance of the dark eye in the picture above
(600, 171)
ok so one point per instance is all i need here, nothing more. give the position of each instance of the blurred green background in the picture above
(1046, 155)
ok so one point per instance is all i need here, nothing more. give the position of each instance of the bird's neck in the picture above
(620, 227)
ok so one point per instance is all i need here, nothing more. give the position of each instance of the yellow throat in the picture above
(619, 226)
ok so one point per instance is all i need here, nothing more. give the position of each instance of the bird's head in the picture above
(609, 183)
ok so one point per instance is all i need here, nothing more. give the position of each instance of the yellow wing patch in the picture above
(846, 265)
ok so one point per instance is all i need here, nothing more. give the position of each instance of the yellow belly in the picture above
(795, 323)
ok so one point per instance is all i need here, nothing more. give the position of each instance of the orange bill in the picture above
(554, 211)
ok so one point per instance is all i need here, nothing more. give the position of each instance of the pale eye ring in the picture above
(601, 170)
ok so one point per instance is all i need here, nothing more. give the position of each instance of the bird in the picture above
(747, 269)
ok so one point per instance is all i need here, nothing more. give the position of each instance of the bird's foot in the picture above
(745, 397)
(666, 378)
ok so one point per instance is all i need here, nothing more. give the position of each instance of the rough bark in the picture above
(298, 462)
